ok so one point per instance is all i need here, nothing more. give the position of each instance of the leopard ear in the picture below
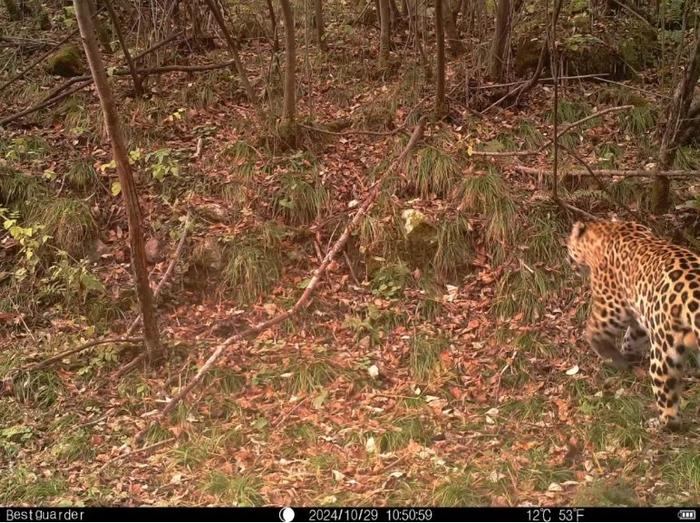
(578, 229)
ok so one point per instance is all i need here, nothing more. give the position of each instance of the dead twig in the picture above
(80, 348)
(350, 268)
(353, 131)
(600, 184)
(575, 124)
(137, 451)
(306, 296)
(632, 173)
(549, 79)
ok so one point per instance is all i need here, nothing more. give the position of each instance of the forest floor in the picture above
(396, 387)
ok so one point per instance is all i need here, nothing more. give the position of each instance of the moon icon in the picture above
(287, 514)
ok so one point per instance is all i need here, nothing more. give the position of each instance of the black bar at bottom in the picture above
(346, 514)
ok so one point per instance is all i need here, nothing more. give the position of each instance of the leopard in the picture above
(646, 290)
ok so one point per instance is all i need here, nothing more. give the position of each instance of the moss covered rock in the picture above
(66, 62)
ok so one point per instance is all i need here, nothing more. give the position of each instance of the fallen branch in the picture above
(572, 125)
(601, 185)
(549, 79)
(305, 298)
(610, 172)
(504, 153)
(80, 348)
(353, 131)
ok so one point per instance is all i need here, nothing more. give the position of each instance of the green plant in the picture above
(300, 201)
(638, 120)
(373, 322)
(72, 283)
(30, 241)
(608, 155)
(254, 263)
(390, 280)
(432, 171)
(25, 148)
(69, 224)
(405, 430)
(241, 490)
(81, 176)
(454, 247)
(163, 163)
(487, 194)
(425, 356)
(528, 132)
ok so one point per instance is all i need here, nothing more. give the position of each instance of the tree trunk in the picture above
(499, 48)
(385, 33)
(128, 188)
(677, 113)
(456, 46)
(273, 22)
(289, 109)
(138, 88)
(233, 49)
(318, 21)
(440, 76)
(100, 29)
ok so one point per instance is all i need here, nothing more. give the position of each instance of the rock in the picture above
(153, 250)
(421, 237)
(66, 62)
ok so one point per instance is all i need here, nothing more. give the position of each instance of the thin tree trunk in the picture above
(233, 49)
(440, 77)
(273, 22)
(456, 46)
(677, 113)
(385, 33)
(100, 29)
(121, 158)
(138, 87)
(318, 21)
(289, 108)
(499, 48)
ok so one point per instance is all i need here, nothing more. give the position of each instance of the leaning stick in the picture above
(305, 298)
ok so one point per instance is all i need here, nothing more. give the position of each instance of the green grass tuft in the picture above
(424, 359)
(432, 171)
(254, 263)
(299, 201)
(411, 428)
(459, 491)
(69, 223)
(488, 196)
(239, 490)
(454, 248)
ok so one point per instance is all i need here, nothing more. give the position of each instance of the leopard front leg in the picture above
(602, 331)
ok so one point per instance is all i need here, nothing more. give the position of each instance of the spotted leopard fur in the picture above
(649, 289)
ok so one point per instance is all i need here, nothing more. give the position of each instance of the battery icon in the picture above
(686, 514)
